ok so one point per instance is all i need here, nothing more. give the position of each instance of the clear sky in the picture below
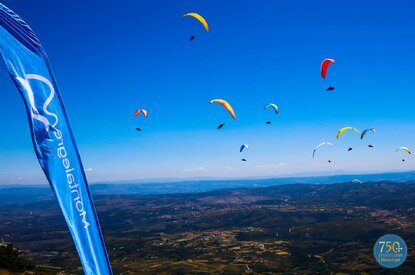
(112, 57)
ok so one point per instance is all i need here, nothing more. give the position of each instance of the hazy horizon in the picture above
(311, 174)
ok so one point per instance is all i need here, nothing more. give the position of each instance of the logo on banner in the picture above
(50, 122)
(35, 113)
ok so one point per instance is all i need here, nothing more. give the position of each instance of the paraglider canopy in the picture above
(344, 129)
(274, 106)
(325, 65)
(141, 111)
(226, 105)
(199, 18)
(243, 146)
(220, 126)
(403, 148)
(321, 144)
(373, 130)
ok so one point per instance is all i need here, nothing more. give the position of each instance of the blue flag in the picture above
(52, 138)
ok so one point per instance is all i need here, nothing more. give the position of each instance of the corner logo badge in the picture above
(390, 251)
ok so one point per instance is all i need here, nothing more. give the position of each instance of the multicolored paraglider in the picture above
(225, 105)
(373, 130)
(199, 18)
(141, 111)
(325, 65)
(344, 129)
(321, 144)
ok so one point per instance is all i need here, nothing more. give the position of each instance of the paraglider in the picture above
(226, 105)
(357, 181)
(191, 38)
(243, 159)
(350, 149)
(321, 144)
(274, 106)
(268, 122)
(325, 65)
(370, 146)
(323, 70)
(403, 148)
(373, 130)
(344, 129)
(243, 147)
(199, 18)
(141, 111)
(221, 125)
(329, 161)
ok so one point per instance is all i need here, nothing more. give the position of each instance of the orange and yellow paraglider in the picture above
(226, 105)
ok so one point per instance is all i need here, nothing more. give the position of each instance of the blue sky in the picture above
(111, 59)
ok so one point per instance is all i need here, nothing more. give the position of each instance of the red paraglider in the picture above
(325, 65)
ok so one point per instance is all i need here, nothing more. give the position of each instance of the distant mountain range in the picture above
(40, 192)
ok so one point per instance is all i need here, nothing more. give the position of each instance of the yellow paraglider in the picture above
(406, 149)
(342, 130)
(226, 105)
(200, 18)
